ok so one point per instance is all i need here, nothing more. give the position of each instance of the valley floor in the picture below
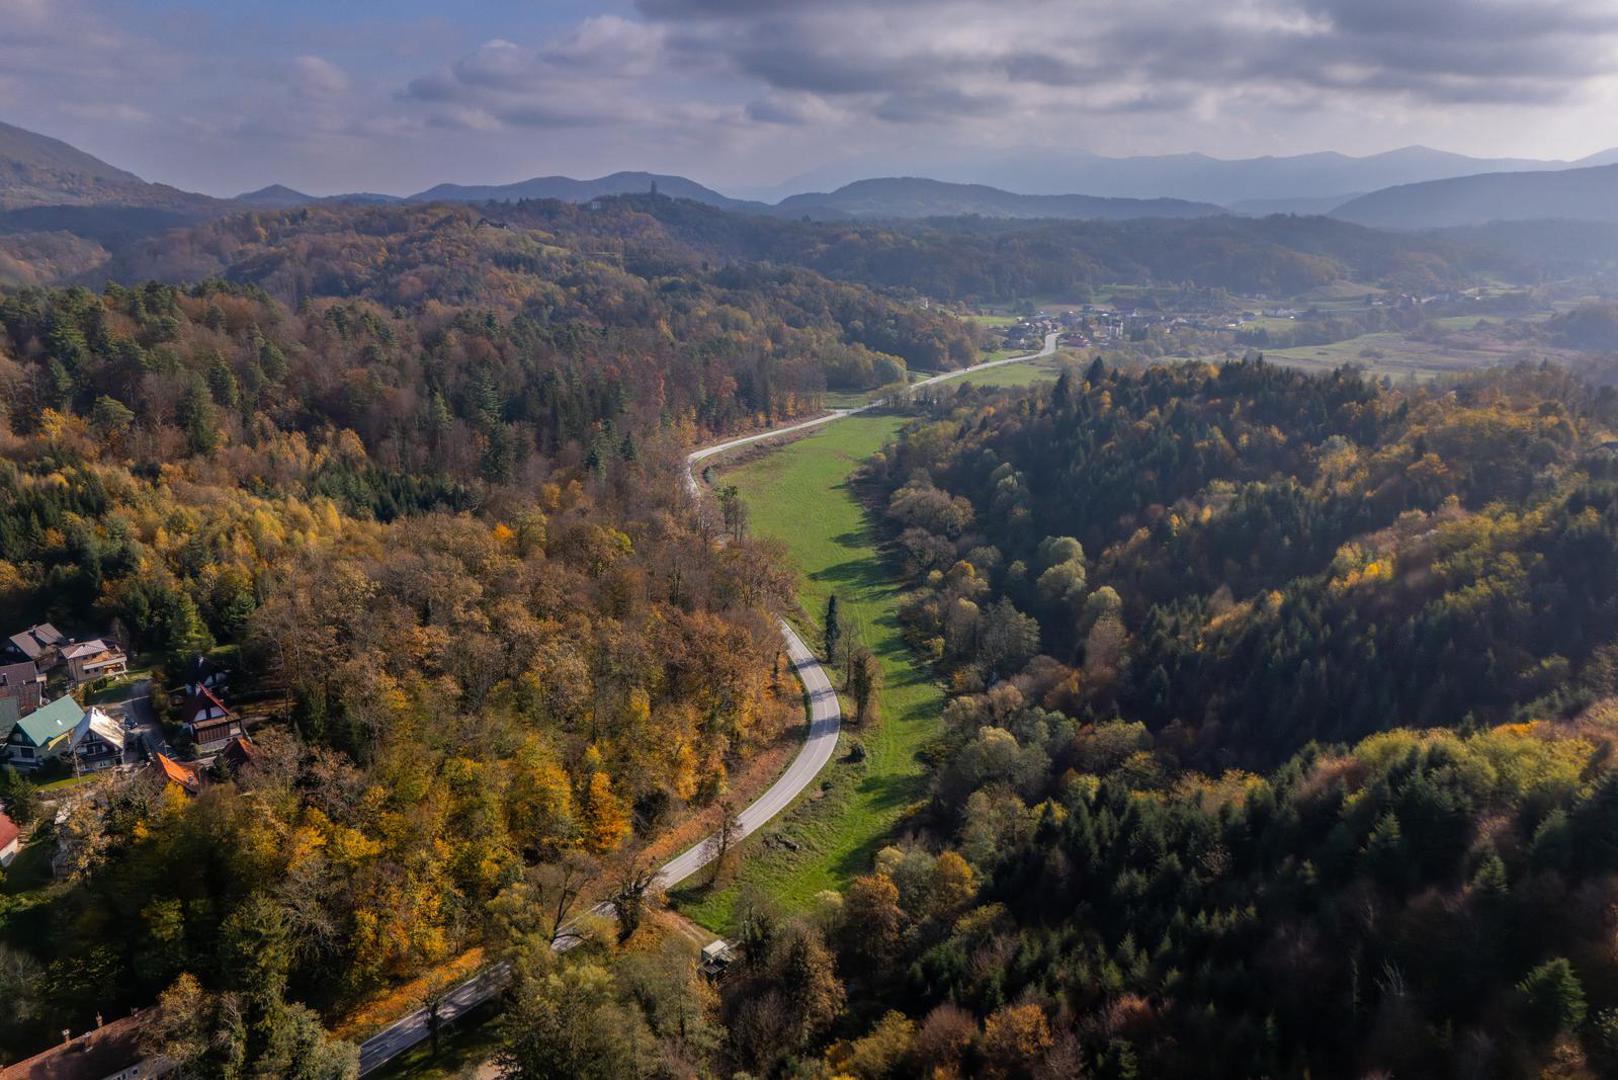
(799, 494)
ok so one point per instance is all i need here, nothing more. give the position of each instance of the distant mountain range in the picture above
(568, 189)
(882, 198)
(910, 197)
(281, 197)
(1257, 184)
(896, 197)
(47, 185)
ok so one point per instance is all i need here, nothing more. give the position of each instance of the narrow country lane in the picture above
(820, 743)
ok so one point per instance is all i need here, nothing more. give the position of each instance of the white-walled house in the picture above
(98, 741)
(95, 659)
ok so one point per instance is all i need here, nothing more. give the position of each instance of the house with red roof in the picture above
(10, 840)
(211, 724)
(185, 775)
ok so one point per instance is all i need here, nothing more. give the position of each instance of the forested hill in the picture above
(1296, 558)
(578, 362)
(1568, 194)
(1282, 733)
(333, 247)
(480, 647)
(892, 198)
(38, 171)
(990, 260)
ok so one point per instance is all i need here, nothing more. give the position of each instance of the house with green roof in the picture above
(44, 734)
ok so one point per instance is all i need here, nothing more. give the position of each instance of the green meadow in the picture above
(799, 494)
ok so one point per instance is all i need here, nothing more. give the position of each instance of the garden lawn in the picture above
(799, 495)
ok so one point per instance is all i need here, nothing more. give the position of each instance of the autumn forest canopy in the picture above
(1280, 703)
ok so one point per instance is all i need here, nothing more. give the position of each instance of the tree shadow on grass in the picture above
(859, 576)
(880, 793)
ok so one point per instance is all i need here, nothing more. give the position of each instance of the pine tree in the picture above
(834, 630)
(1554, 998)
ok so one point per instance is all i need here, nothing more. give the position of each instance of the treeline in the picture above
(992, 260)
(445, 395)
(459, 254)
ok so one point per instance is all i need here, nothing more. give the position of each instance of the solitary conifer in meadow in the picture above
(834, 631)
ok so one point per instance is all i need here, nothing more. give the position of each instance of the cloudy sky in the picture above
(395, 95)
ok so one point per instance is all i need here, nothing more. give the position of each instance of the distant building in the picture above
(717, 955)
(238, 753)
(98, 741)
(64, 731)
(185, 775)
(200, 672)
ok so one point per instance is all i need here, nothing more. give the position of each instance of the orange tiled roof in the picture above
(183, 775)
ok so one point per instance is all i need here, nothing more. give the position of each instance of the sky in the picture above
(752, 95)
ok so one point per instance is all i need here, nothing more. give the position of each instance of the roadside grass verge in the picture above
(799, 494)
(470, 1042)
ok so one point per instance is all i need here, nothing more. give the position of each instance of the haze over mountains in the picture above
(1589, 194)
(1257, 185)
(37, 170)
(47, 185)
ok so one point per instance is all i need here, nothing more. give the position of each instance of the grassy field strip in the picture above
(799, 494)
(1035, 371)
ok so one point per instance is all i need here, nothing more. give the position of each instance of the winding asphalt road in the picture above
(820, 742)
(697, 456)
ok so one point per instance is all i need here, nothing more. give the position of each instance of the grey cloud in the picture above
(725, 9)
(922, 60)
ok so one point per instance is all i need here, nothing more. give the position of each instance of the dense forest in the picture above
(1281, 734)
(996, 260)
(971, 259)
(567, 359)
(1281, 706)
(491, 690)
(445, 547)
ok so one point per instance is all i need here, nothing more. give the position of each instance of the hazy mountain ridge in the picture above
(568, 189)
(67, 215)
(37, 170)
(281, 197)
(912, 197)
(1587, 194)
(1194, 176)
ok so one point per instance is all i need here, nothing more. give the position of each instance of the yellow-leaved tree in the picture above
(606, 820)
